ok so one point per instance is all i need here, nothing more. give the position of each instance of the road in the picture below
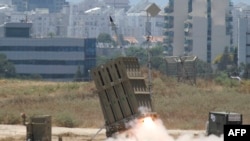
(18, 133)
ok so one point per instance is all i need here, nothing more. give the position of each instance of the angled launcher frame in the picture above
(122, 90)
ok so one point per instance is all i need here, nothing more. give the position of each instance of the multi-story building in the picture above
(244, 41)
(44, 24)
(198, 27)
(243, 34)
(27, 5)
(49, 25)
(118, 3)
(56, 59)
(8, 2)
(89, 23)
(176, 15)
(133, 23)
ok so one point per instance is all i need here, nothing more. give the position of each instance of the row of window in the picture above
(190, 8)
(48, 62)
(51, 76)
(42, 48)
(209, 31)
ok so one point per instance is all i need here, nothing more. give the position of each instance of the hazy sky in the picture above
(163, 2)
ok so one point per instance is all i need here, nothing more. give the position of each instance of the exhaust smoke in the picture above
(148, 129)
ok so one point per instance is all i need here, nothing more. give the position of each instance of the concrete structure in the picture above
(8, 2)
(85, 20)
(118, 3)
(56, 59)
(28, 5)
(17, 30)
(244, 41)
(198, 27)
(89, 23)
(134, 24)
(241, 16)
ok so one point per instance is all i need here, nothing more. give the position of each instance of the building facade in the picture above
(241, 16)
(28, 5)
(244, 41)
(56, 59)
(198, 27)
(118, 3)
(133, 23)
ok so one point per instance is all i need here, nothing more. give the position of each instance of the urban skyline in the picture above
(162, 2)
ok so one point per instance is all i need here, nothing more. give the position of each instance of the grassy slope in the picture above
(74, 104)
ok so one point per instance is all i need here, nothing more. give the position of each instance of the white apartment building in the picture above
(244, 40)
(89, 23)
(44, 24)
(88, 20)
(134, 22)
(8, 2)
(241, 24)
(198, 27)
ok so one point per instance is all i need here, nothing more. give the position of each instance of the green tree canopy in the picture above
(157, 61)
(104, 38)
(225, 59)
(7, 68)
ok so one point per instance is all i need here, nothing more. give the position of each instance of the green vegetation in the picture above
(7, 69)
(104, 38)
(76, 104)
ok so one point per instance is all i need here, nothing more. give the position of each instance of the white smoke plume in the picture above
(148, 130)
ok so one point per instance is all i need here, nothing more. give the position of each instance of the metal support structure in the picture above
(153, 10)
(149, 55)
(93, 137)
(183, 67)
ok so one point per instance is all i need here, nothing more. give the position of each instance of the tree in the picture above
(7, 68)
(235, 56)
(157, 58)
(104, 38)
(138, 52)
(203, 68)
(78, 76)
(156, 52)
(224, 60)
(51, 34)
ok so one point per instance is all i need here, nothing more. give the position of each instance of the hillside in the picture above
(75, 104)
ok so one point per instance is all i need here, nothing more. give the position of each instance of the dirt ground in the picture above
(18, 133)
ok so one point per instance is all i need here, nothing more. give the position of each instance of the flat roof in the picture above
(20, 25)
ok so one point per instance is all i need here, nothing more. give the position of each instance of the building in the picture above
(241, 34)
(176, 14)
(12, 30)
(133, 24)
(244, 41)
(89, 23)
(56, 59)
(28, 5)
(198, 27)
(118, 3)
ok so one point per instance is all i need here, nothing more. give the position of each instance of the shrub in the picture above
(223, 79)
(65, 120)
(8, 118)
